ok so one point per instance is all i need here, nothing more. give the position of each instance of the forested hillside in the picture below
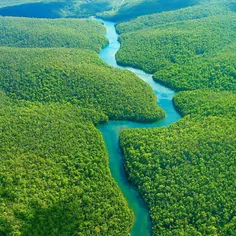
(133, 8)
(115, 10)
(216, 72)
(54, 90)
(186, 171)
(56, 8)
(186, 174)
(79, 77)
(54, 173)
(54, 166)
(179, 58)
(210, 8)
(186, 49)
(206, 103)
(72, 33)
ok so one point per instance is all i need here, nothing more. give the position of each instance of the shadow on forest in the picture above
(233, 6)
(55, 9)
(37, 10)
(153, 6)
(95, 7)
(54, 220)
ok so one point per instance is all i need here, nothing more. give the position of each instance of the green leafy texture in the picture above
(190, 13)
(186, 174)
(89, 8)
(70, 33)
(176, 43)
(115, 10)
(187, 54)
(54, 175)
(79, 77)
(216, 72)
(206, 103)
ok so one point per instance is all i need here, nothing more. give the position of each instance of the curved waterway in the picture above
(111, 131)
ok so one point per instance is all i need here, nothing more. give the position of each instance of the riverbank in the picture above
(111, 132)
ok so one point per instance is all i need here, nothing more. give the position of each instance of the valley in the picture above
(117, 117)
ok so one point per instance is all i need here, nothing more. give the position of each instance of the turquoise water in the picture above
(111, 131)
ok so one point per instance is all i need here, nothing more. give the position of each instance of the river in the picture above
(111, 131)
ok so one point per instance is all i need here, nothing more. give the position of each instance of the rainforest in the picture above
(117, 117)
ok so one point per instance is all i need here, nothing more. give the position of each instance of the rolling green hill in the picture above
(79, 77)
(186, 174)
(115, 10)
(206, 103)
(217, 72)
(133, 8)
(186, 171)
(108, 9)
(53, 160)
(187, 54)
(190, 13)
(54, 173)
(72, 33)
(55, 8)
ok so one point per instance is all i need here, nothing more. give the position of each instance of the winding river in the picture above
(111, 131)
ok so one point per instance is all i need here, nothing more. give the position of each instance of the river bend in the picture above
(111, 131)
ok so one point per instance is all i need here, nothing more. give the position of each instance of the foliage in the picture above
(184, 14)
(116, 10)
(54, 173)
(54, 176)
(185, 171)
(186, 174)
(72, 33)
(55, 8)
(89, 8)
(133, 8)
(216, 72)
(79, 77)
(175, 43)
(206, 103)
(192, 54)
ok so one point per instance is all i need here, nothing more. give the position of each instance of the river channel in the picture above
(111, 132)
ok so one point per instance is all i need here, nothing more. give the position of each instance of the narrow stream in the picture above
(111, 131)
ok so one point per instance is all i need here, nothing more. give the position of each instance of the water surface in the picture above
(111, 131)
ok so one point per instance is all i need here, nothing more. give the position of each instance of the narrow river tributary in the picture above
(111, 132)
